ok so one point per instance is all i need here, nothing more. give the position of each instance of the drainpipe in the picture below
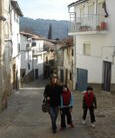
(113, 56)
(96, 6)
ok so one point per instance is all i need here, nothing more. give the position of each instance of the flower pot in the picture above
(103, 26)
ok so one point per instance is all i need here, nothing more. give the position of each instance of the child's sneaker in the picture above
(83, 122)
(93, 125)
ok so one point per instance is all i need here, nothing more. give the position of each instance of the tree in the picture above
(50, 32)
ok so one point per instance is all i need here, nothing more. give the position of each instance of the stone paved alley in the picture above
(24, 118)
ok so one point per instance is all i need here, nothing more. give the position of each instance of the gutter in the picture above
(16, 7)
(76, 3)
(113, 56)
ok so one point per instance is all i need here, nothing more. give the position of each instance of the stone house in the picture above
(92, 27)
(26, 69)
(65, 62)
(15, 14)
(7, 9)
(32, 56)
(37, 56)
(49, 58)
(3, 73)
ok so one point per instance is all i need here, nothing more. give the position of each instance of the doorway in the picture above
(36, 74)
(106, 76)
(62, 75)
(82, 79)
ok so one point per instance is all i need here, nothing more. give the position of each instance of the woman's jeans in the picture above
(53, 114)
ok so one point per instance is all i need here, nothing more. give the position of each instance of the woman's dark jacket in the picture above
(54, 92)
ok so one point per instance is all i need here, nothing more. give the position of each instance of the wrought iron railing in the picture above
(88, 23)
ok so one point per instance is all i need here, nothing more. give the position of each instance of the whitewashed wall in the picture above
(26, 56)
(15, 34)
(39, 61)
(102, 49)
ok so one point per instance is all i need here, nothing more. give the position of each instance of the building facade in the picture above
(7, 7)
(32, 56)
(26, 68)
(65, 62)
(38, 57)
(15, 14)
(4, 47)
(49, 58)
(92, 26)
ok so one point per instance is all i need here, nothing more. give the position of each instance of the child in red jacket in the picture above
(89, 103)
(66, 107)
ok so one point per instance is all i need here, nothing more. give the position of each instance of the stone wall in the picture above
(5, 78)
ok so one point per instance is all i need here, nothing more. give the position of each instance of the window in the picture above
(68, 51)
(33, 52)
(72, 52)
(62, 75)
(18, 47)
(33, 43)
(28, 66)
(16, 17)
(91, 9)
(81, 11)
(87, 49)
(70, 76)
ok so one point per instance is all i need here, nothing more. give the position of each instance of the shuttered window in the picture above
(87, 49)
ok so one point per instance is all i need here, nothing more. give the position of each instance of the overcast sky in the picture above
(46, 9)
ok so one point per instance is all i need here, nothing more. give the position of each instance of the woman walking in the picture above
(52, 93)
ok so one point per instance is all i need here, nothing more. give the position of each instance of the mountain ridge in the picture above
(41, 27)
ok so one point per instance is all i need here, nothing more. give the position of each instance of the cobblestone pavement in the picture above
(24, 118)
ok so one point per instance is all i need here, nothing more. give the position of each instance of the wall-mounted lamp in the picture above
(2, 18)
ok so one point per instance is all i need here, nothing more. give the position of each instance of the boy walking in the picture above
(66, 107)
(89, 103)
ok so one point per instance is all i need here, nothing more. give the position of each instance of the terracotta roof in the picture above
(38, 37)
(77, 2)
(68, 42)
(34, 36)
(16, 7)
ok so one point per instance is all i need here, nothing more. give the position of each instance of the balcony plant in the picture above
(85, 28)
(103, 26)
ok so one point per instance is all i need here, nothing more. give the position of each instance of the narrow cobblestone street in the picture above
(24, 118)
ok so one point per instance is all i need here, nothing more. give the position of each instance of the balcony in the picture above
(88, 24)
(36, 52)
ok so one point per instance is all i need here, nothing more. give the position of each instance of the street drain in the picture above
(101, 116)
(25, 124)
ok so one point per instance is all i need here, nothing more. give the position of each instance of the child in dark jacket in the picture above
(66, 107)
(89, 103)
